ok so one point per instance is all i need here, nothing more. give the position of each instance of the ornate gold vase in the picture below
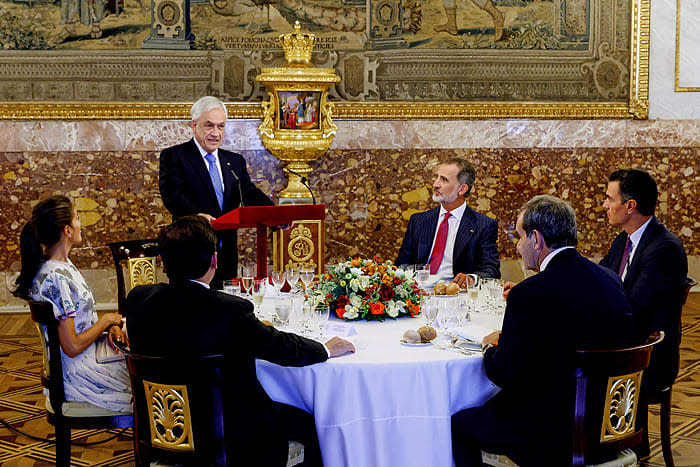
(297, 124)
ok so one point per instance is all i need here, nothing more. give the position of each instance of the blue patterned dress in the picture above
(103, 384)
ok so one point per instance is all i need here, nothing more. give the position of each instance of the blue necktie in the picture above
(215, 179)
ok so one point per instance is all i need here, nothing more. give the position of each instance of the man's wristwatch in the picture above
(486, 347)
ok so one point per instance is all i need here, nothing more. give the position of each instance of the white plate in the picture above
(415, 344)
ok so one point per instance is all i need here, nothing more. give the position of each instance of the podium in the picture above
(262, 217)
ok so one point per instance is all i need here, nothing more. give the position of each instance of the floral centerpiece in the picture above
(368, 289)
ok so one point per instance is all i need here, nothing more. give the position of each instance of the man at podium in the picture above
(197, 177)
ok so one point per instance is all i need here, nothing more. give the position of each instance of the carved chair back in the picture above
(608, 385)
(138, 258)
(178, 409)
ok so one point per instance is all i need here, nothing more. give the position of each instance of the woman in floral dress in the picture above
(49, 276)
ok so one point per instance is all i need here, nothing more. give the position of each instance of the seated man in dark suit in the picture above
(653, 267)
(571, 304)
(198, 177)
(453, 238)
(186, 317)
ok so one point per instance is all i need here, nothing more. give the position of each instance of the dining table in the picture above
(389, 403)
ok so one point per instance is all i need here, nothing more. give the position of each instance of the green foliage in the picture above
(21, 33)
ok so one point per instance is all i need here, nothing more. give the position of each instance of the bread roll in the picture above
(427, 333)
(411, 337)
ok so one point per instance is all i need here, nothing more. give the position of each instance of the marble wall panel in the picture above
(369, 194)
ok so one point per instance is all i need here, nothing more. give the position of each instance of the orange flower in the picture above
(387, 279)
(356, 262)
(377, 308)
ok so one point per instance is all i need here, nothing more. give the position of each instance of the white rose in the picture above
(354, 284)
(392, 310)
(355, 301)
(350, 312)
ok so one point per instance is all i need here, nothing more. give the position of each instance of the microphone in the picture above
(303, 182)
(238, 182)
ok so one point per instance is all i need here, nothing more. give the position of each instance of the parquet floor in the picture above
(22, 401)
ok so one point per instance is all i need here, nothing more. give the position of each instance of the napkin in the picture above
(473, 332)
(340, 329)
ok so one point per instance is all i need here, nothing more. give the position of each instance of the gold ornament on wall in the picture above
(297, 124)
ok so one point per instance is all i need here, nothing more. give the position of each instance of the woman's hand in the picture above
(74, 344)
(116, 334)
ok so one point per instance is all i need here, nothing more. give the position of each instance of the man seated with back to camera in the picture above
(186, 318)
(571, 304)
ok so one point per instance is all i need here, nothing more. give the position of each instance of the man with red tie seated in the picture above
(453, 238)
(187, 318)
(197, 177)
(571, 304)
(653, 267)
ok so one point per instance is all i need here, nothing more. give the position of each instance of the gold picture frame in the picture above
(635, 106)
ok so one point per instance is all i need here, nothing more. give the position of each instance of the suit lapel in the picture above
(198, 166)
(428, 234)
(633, 267)
(230, 184)
(467, 227)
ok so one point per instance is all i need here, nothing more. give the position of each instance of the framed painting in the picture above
(407, 59)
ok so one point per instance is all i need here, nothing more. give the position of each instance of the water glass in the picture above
(283, 310)
(447, 313)
(463, 306)
(228, 287)
(422, 274)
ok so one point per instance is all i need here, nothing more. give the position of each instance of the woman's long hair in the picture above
(49, 217)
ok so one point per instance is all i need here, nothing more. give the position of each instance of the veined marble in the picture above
(153, 135)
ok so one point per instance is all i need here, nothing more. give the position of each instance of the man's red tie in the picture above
(439, 248)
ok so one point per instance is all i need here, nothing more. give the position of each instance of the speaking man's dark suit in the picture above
(186, 189)
(475, 250)
(572, 304)
(187, 319)
(654, 284)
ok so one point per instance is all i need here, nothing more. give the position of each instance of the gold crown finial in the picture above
(297, 46)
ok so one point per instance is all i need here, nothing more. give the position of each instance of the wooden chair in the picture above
(178, 409)
(138, 257)
(663, 397)
(608, 384)
(66, 415)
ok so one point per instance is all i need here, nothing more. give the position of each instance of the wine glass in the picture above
(307, 276)
(246, 275)
(320, 315)
(278, 278)
(463, 308)
(293, 273)
(258, 289)
(430, 309)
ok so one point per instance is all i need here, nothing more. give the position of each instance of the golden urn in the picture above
(297, 124)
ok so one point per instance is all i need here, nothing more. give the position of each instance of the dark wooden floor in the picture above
(22, 402)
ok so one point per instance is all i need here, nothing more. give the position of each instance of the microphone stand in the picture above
(238, 182)
(303, 182)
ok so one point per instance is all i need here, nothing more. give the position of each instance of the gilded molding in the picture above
(636, 107)
(639, 59)
(678, 87)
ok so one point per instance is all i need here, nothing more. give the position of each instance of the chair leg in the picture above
(665, 422)
(62, 445)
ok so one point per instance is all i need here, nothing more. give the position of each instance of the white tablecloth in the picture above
(387, 405)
